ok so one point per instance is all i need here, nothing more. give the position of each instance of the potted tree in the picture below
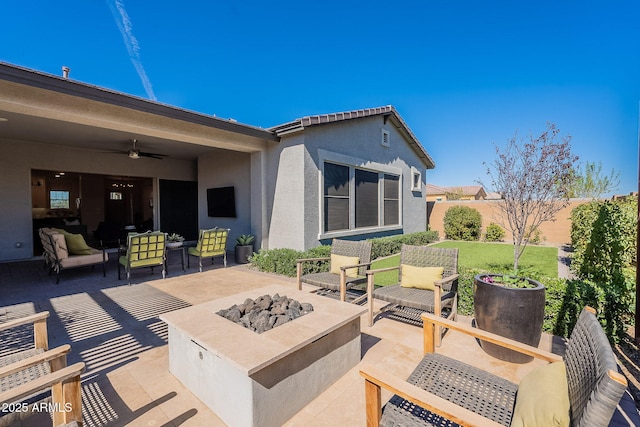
(534, 177)
(244, 248)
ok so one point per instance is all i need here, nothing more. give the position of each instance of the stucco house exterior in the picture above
(354, 175)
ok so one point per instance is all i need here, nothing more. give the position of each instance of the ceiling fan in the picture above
(135, 153)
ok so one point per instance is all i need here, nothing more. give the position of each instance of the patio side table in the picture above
(182, 256)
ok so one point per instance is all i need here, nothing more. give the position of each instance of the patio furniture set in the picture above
(63, 250)
(583, 387)
(427, 279)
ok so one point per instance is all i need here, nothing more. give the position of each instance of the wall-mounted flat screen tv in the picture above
(221, 202)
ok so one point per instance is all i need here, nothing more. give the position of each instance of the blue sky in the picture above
(464, 75)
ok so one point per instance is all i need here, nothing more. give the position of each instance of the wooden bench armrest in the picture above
(429, 320)
(28, 362)
(376, 378)
(24, 320)
(42, 383)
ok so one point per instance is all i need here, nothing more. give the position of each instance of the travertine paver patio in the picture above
(114, 328)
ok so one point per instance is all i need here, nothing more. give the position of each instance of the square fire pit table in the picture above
(251, 379)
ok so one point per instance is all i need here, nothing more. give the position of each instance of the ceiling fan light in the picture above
(134, 154)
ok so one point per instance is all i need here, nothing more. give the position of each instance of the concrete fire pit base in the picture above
(251, 379)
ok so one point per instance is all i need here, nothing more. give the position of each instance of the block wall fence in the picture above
(556, 232)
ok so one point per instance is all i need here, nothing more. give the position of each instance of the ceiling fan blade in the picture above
(152, 155)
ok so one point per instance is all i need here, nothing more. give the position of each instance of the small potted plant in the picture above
(244, 248)
(174, 240)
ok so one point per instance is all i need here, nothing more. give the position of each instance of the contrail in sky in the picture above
(126, 29)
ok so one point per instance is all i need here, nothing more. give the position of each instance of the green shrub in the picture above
(386, 246)
(494, 233)
(283, 261)
(604, 237)
(462, 223)
(536, 237)
(620, 216)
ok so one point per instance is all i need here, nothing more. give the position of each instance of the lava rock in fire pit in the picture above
(265, 312)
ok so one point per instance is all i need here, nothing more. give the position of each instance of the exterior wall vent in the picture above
(385, 138)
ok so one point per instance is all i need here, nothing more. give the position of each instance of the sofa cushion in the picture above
(96, 257)
(60, 246)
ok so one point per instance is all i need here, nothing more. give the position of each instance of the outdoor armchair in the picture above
(144, 250)
(580, 389)
(27, 376)
(427, 281)
(211, 243)
(349, 261)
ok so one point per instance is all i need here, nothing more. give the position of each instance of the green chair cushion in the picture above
(140, 263)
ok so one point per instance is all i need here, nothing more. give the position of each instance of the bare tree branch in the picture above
(534, 177)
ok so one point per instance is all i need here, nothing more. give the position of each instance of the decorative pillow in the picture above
(338, 261)
(76, 244)
(543, 398)
(60, 246)
(420, 277)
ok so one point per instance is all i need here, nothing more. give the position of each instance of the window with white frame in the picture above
(356, 198)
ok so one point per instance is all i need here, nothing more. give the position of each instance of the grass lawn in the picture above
(484, 256)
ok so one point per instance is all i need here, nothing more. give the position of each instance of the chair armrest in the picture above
(47, 356)
(380, 270)
(301, 260)
(376, 378)
(24, 320)
(429, 320)
(42, 383)
(446, 279)
(346, 267)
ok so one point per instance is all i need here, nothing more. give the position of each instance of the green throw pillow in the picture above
(543, 398)
(76, 244)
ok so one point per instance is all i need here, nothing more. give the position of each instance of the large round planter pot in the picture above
(243, 253)
(512, 312)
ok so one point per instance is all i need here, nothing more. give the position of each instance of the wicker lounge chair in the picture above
(442, 389)
(27, 376)
(351, 259)
(409, 303)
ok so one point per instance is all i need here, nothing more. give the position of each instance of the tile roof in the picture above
(307, 121)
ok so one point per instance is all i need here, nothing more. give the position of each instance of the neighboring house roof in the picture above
(389, 111)
(492, 195)
(433, 190)
(466, 190)
(469, 190)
